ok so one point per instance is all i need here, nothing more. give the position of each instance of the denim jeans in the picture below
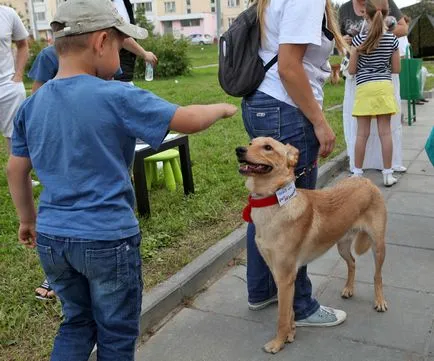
(99, 284)
(264, 116)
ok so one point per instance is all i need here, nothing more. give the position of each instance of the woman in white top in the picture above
(288, 107)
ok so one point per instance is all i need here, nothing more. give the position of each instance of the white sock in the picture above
(387, 171)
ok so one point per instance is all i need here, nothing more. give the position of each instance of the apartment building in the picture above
(185, 17)
(36, 15)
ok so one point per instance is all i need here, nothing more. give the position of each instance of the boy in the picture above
(78, 132)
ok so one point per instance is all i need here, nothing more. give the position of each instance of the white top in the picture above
(120, 6)
(403, 43)
(296, 22)
(11, 29)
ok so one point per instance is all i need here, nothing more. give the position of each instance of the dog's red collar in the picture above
(258, 203)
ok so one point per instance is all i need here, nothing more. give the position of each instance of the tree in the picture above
(143, 22)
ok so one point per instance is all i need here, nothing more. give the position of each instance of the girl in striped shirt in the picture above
(374, 56)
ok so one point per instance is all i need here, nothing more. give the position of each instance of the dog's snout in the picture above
(241, 151)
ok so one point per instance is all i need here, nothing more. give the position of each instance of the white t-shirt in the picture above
(296, 22)
(403, 43)
(11, 29)
(120, 6)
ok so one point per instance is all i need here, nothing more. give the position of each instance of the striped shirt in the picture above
(375, 65)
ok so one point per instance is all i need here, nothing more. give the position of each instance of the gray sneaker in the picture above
(324, 317)
(261, 305)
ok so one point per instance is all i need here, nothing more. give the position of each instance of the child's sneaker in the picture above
(256, 306)
(323, 317)
(389, 180)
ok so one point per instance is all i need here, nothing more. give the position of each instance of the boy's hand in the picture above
(27, 234)
(229, 110)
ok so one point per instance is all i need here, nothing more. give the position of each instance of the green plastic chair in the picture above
(171, 170)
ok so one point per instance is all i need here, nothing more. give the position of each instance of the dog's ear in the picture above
(291, 155)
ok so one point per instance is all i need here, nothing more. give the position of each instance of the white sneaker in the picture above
(323, 317)
(35, 183)
(399, 169)
(389, 180)
(356, 175)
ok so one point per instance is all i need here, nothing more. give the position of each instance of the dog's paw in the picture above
(291, 337)
(273, 346)
(347, 292)
(380, 306)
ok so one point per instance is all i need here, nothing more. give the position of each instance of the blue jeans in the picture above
(100, 286)
(264, 116)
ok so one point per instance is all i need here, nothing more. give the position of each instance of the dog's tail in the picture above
(362, 243)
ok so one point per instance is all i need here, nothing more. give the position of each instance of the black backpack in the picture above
(241, 70)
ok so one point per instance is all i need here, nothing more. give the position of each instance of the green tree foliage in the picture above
(143, 22)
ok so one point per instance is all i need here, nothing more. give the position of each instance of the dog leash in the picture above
(307, 170)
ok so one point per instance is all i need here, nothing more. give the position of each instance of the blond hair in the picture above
(376, 10)
(330, 12)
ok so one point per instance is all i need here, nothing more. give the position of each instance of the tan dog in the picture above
(334, 77)
(301, 230)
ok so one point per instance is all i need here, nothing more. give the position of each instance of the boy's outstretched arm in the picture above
(194, 118)
(20, 186)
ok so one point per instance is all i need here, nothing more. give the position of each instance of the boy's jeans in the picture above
(265, 116)
(100, 286)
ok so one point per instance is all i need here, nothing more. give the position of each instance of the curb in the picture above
(167, 296)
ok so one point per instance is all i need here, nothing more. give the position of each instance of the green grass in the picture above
(203, 55)
(179, 230)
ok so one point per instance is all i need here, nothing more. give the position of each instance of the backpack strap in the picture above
(271, 63)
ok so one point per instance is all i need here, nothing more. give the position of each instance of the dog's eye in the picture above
(268, 147)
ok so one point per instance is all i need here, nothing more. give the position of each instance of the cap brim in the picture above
(133, 31)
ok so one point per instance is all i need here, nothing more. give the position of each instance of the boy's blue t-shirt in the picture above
(80, 134)
(45, 66)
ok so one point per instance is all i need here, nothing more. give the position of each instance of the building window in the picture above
(233, 3)
(230, 21)
(213, 9)
(190, 22)
(40, 16)
(169, 7)
(188, 2)
(188, 11)
(146, 6)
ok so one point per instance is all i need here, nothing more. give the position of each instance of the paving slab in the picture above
(190, 337)
(421, 167)
(411, 231)
(404, 326)
(411, 203)
(228, 296)
(410, 154)
(404, 267)
(415, 183)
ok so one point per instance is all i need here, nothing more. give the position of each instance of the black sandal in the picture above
(45, 286)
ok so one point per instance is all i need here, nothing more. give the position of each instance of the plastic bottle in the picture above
(149, 73)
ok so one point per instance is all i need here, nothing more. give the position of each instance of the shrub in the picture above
(171, 53)
(35, 48)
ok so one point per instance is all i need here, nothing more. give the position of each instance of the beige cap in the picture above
(86, 16)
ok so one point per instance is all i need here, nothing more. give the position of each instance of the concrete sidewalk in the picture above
(217, 325)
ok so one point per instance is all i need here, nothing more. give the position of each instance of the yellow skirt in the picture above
(375, 98)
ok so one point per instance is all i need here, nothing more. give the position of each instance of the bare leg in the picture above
(363, 130)
(385, 133)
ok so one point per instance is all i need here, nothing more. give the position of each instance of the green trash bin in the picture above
(410, 81)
